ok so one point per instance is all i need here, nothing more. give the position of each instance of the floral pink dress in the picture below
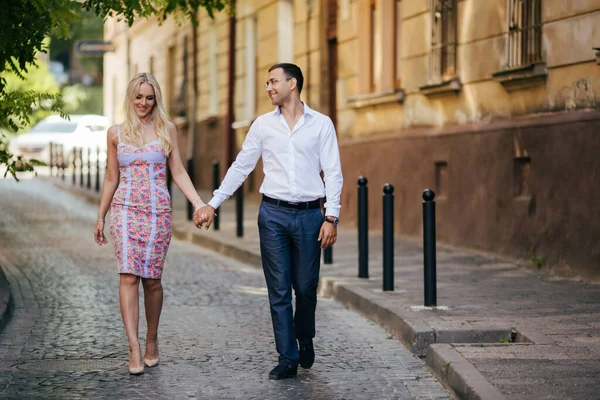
(140, 213)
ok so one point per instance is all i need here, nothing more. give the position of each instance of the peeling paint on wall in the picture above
(420, 114)
(579, 95)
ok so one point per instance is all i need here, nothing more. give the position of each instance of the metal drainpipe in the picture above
(309, 6)
(192, 113)
(194, 101)
(229, 132)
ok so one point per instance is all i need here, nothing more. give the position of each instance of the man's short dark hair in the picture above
(291, 71)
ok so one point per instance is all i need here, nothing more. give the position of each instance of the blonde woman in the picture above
(135, 188)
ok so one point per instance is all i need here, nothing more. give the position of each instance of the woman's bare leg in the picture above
(153, 300)
(130, 311)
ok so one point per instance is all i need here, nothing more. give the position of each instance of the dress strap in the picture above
(119, 133)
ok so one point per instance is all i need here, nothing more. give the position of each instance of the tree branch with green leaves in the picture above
(25, 25)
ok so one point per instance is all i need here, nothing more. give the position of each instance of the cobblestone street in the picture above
(66, 339)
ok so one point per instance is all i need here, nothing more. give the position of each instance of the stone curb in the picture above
(458, 374)
(413, 333)
(6, 300)
(227, 250)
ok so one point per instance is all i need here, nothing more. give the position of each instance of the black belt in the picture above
(301, 205)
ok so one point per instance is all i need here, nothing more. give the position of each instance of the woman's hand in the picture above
(99, 233)
(204, 215)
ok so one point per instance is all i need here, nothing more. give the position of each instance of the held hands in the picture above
(99, 233)
(327, 235)
(204, 215)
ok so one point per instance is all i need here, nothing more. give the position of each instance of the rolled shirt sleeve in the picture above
(332, 170)
(244, 164)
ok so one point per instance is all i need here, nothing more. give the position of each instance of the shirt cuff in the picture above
(333, 212)
(215, 202)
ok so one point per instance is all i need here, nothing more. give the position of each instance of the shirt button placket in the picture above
(292, 169)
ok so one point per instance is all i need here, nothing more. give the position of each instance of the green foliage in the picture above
(446, 367)
(539, 261)
(81, 99)
(25, 24)
(25, 100)
(11, 162)
(89, 26)
(132, 9)
(28, 98)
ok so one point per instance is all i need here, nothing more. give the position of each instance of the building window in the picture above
(441, 179)
(524, 32)
(213, 70)
(115, 100)
(397, 43)
(443, 41)
(251, 66)
(285, 27)
(151, 65)
(171, 60)
(373, 44)
(379, 56)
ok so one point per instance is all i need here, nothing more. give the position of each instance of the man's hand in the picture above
(327, 235)
(204, 215)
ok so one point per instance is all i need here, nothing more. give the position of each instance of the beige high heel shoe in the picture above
(151, 362)
(137, 370)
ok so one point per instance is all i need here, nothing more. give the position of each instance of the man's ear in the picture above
(294, 82)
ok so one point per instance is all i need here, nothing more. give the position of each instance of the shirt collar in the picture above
(307, 110)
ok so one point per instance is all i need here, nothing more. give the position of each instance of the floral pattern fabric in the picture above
(141, 216)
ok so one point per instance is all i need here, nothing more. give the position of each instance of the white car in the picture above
(79, 131)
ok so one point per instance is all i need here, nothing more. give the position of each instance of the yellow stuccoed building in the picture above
(491, 104)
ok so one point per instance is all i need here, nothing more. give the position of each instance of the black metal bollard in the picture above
(388, 237)
(328, 255)
(363, 228)
(216, 181)
(239, 210)
(328, 251)
(51, 157)
(55, 163)
(62, 162)
(429, 270)
(190, 206)
(97, 187)
(74, 177)
(89, 168)
(81, 166)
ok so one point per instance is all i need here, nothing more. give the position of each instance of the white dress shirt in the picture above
(292, 160)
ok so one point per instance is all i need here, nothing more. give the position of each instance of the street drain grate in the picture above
(72, 365)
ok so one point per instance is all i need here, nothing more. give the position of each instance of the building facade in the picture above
(494, 105)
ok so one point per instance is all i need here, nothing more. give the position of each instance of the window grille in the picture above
(524, 32)
(443, 42)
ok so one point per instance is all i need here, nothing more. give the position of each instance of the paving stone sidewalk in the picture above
(500, 330)
(66, 338)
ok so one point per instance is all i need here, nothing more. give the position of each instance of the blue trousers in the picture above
(291, 255)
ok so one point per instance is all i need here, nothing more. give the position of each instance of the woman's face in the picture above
(144, 101)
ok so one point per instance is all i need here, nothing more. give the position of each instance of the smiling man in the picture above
(296, 143)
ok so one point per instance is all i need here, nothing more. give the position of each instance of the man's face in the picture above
(279, 87)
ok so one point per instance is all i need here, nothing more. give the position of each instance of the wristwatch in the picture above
(332, 220)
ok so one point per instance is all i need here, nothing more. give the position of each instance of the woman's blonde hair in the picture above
(132, 127)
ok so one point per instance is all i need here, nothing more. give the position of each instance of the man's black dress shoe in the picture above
(307, 353)
(283, 370)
